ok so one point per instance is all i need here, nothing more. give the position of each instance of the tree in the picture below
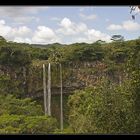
(100, 42)
(15, 62)
(14, 56)
(103, 109)
(2, 39)
(22, 124)
(133, 70)
(24, 116)
(55, 55)
(12, 105)
(117, 38)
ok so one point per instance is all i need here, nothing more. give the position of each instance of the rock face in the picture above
(75, 75)
(85, 74)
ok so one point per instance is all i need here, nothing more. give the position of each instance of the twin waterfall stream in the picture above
(47, 95)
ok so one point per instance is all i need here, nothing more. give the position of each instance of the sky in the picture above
(67, 24)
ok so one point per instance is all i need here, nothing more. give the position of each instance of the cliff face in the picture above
(76, 75)
(83, 74)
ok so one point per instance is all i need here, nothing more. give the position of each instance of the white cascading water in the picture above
(49, 89)
(61, 99)
(45, 89)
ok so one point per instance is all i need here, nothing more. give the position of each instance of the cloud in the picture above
(126, 25)
(22, 31)
(4, 29)
(131, 25)
(11, 11)
(88, 17)
(44, 35)
(21, 14)
(66, 22)
(16, 11)
(67, 27)
(113, 27)
(2, 22)
(67, 30)
(79, 32)
(93, 35)
(81, 27)
(12, 33)
(22, 40)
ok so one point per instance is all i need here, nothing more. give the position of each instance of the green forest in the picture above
(101, 87)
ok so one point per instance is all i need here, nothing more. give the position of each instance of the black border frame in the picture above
(67, 3)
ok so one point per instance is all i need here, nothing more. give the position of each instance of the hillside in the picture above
(84, 66)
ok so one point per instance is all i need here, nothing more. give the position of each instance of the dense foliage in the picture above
(23, 116)
(22, 124)
(105, 77)
(104, 109)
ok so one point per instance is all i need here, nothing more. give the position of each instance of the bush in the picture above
(14, 106)
(104, 109)
(39, 125)
(21, 124)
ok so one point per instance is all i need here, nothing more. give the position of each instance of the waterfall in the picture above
(24, 75)
(49, 89)
(44, 87)
(48, 108)
(61, 99)
(120, 80)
